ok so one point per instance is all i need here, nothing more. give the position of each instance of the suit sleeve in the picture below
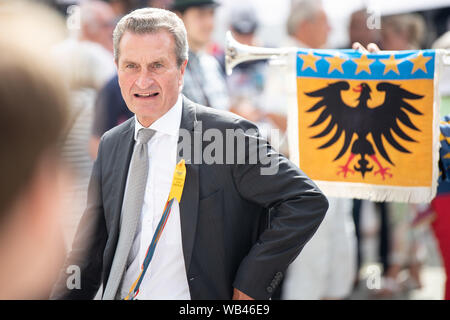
(88, 246)
(297, 207)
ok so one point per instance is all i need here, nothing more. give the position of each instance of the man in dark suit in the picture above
(239, 223)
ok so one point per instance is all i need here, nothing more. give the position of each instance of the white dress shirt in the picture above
(166, 275)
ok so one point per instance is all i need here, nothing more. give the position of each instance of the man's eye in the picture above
(130, 66)
(158, 65)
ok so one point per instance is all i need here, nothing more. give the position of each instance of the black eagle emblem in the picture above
(361, 120)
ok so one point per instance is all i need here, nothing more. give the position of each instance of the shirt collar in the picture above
(168, 124)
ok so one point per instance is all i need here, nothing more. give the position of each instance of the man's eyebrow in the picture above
(158, 60)
(128, 62)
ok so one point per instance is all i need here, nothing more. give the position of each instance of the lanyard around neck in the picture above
(176, 191)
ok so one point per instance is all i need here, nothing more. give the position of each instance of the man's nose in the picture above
(145, 80)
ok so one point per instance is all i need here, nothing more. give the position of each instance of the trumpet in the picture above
(236, 53)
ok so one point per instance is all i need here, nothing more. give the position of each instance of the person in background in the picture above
(162, 4)
(358, 30)
(110, 110)
(94, 38)
(93, 43)
(326, 267)
(122, 7)
(307, 27)
(90, 46)
(246, 83)
(34, 180)
(84, 78)
(406, 249)
(443, 42)
(441, 204)
(204, 81)
(97, 23)
(402, 32)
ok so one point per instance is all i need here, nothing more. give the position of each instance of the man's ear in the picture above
(183, 67)
(182, 70)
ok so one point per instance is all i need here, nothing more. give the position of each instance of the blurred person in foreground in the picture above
(217, 242)
(204, 81)
(326, 267)
(32, 26)
(34, 179)
(33, 117)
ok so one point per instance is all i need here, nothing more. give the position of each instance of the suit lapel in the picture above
(121, 166)
(122, 156)
(190, 197)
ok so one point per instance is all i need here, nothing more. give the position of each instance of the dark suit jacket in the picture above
(239, 228)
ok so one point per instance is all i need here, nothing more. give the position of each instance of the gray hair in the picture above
(301, 10)
(410, 25)
(151, 20)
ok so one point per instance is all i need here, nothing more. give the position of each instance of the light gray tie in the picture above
(131, 210)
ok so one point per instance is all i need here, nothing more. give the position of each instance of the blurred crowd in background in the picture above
(57, 60)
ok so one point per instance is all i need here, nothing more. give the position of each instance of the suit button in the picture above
(269, 289)
(279, 275)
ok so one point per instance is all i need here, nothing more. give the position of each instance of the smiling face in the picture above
(149, 78)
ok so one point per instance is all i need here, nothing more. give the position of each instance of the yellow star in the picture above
(390, 64)
(363, 64)
(309, 61)
(335, 63)
(419, 62)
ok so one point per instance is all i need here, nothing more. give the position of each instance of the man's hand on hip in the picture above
(239, 295)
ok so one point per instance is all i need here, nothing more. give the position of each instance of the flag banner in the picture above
(367, 125)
